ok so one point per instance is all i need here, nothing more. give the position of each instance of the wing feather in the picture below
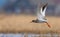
(41, 13)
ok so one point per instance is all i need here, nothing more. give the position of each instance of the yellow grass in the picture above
(22, 23)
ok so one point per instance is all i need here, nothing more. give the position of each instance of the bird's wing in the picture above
(43, 12)
(40, 14)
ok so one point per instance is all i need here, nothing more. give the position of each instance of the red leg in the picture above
(48, 24)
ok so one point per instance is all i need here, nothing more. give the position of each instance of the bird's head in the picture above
(33, 20)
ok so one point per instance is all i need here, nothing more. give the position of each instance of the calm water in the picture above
(18, 35)
(29, 35)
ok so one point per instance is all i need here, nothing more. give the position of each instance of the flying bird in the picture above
(41, 15)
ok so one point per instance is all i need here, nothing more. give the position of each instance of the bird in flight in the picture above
(41, 15)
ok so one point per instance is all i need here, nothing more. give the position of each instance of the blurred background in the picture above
(29, 6)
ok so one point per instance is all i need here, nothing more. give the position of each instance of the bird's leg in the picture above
(48, 24)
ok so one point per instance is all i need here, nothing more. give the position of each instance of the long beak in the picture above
(48, 24)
